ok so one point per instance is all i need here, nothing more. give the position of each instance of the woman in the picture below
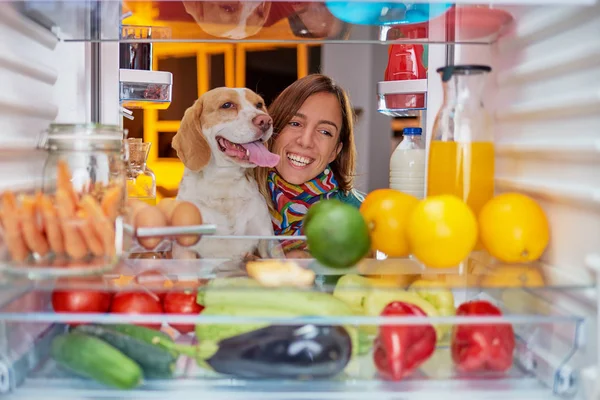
(314, 136)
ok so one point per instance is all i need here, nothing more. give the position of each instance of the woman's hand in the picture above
(250, 257)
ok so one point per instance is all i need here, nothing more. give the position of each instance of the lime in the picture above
(321, 206)
(336, 233)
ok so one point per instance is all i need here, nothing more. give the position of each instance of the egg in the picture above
(133, 206)
(149, 217)
(167, 206)
(186, 214)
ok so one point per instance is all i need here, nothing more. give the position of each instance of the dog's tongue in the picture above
(259, 155)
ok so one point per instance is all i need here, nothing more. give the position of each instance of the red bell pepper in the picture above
(399, 350)
(482, 347)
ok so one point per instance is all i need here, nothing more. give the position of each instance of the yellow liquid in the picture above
(465, 170)
(147, 200)
(141, 189)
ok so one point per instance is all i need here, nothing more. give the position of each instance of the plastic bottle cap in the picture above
(412, 131)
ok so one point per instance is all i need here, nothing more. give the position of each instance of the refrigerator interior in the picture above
(59, 62)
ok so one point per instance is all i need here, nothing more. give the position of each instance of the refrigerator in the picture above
(60, 63)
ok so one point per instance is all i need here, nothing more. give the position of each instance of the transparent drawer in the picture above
(145, 89)
(253, 340)
(402, 98)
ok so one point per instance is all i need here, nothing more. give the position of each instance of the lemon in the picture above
(511, 276)
(386, 212)
(442, 231)
(514, 228)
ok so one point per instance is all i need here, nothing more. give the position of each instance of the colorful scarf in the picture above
(292, 201)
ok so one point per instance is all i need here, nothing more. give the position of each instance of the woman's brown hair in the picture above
(285, 107)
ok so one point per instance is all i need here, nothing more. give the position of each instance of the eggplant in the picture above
(285, 352)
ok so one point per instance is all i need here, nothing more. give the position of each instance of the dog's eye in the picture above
(227, 105)
(259, 105)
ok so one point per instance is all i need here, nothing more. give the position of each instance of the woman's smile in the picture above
(298, 161)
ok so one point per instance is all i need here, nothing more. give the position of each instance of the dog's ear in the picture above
(190, 144)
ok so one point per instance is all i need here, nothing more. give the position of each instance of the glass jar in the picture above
(138, 55)
(141, 181)
(461, 152)
(73, 224)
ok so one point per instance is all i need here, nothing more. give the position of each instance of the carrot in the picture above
(34, 238)
(103, 227)
(63, 180)
(111, 202)
(86, 228)
(12, 228)
(52, 225)
(74, 243)
(38, 213)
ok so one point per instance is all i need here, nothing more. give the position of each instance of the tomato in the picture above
(155, 281)
(182, 303)
(137, 303)
(81, 301)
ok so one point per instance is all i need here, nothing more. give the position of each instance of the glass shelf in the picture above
(479, 272)
(274, 21)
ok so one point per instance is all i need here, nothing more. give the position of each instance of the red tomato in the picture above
(80, 301)
(182, 303)
(155, 281)
(137, 303)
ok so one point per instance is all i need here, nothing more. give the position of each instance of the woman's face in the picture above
(310, 141)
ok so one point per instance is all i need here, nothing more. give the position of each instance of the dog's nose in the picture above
(262, 122)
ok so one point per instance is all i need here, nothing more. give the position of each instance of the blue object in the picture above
(383, 13)
(412, 131)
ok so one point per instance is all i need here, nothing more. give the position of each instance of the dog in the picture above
(229, 19)
(222, 136)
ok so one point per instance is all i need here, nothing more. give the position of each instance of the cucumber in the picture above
(156, 361)
(142, 333)
(303, 302)
(93, 358)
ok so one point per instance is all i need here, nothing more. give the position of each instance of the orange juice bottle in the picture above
(461, 152)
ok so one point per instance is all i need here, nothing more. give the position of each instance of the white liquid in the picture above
(407, 171)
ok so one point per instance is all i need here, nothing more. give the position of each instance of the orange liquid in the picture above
(465, 170)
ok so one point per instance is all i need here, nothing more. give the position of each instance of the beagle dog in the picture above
(229, 19)
(221, 136)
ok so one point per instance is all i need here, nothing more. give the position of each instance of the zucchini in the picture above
(249, 294)
(93, 358)
(218, 332)
(155, 360)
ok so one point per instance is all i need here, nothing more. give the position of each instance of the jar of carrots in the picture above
(73, 222)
